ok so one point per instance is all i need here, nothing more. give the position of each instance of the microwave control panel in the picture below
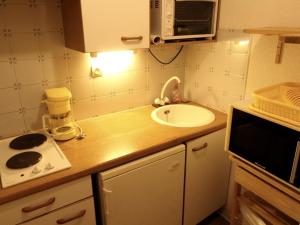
(169, 18)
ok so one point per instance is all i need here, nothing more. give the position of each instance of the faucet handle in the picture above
(166, 100)
(158, 101)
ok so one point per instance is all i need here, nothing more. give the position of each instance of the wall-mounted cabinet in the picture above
(106, 25)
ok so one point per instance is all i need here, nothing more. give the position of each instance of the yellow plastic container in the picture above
(273, 102)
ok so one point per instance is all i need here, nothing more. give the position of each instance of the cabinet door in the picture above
(149, 195)
(80, 213)
(207, 175)
(108, 23)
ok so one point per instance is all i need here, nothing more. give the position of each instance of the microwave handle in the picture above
(295, 163)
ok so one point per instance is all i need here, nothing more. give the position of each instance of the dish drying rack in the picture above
(280, 101)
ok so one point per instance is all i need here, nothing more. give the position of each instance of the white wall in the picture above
(240, 14)
(262, 68)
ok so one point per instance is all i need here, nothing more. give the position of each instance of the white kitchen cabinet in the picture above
(106, 25)
(48, 201)
(148, 191)
(207, 176)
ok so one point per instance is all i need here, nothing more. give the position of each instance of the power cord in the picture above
(165, 63)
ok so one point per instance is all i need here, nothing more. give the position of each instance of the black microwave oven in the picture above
(268, 144)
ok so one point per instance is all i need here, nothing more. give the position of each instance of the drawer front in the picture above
(45, 201)
(274, 196)
(80, 213)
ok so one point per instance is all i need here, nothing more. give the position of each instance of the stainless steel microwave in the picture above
(183, 19)
(268, 144)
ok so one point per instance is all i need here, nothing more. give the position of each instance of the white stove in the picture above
(28, 157)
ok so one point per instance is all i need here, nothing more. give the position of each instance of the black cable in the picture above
(166, 63)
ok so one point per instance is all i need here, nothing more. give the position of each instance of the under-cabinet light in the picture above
(109, 63)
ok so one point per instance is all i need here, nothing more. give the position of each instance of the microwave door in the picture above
(193, 17)
(267, 145)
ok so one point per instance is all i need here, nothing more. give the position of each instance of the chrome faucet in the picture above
(164, 99)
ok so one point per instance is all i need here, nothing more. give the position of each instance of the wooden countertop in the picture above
(112, 140)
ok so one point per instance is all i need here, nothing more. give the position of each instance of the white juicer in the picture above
(59, 123)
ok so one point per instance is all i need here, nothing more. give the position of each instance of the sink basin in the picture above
(182, 115)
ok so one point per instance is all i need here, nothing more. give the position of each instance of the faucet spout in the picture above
(163, 100)
(162, 93)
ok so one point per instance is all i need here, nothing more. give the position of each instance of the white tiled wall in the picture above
(216, 73)
(262, 68)
(33, 58)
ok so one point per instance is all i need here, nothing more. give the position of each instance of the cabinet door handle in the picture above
(202, 147)
(137, 38)
(174, 165)
(28, 209)
(106, 205)
(68, 219)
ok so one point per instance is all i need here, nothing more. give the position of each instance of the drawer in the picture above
(45, 201)
(80, 213)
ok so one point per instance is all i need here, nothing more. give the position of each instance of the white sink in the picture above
(182, 115)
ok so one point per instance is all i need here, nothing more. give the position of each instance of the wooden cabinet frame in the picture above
(277, 194)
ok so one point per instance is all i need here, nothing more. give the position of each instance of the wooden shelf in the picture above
(261, 211)
(285, 35)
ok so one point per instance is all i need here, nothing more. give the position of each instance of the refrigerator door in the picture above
(150, 191)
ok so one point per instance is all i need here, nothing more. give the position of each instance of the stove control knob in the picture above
(49, 166)
(36, 170)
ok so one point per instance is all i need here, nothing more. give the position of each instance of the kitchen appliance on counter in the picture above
(59, 123)
(28, 157)
(183, 19)
(268, 144)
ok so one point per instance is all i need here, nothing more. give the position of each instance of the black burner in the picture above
(27, 141)
(23, 160)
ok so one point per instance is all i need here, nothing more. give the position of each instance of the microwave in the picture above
(183, 19)
(268, 144)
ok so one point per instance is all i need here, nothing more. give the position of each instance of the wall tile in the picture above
(9, 100)
(5, 52)
(55, 69)
(19, 17)
(11, 124)
(101, 86)
(137, 80)
(81, 88)
(51, 44)
(33, 118)
(119, 82)
(32, 95)
(139, 61)
(2, 22)
(7, 76)
(136, 99)
(103, 105)
(29, 71)
(79, 65)
(49, 16)
(83, 108)
(25, 45)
